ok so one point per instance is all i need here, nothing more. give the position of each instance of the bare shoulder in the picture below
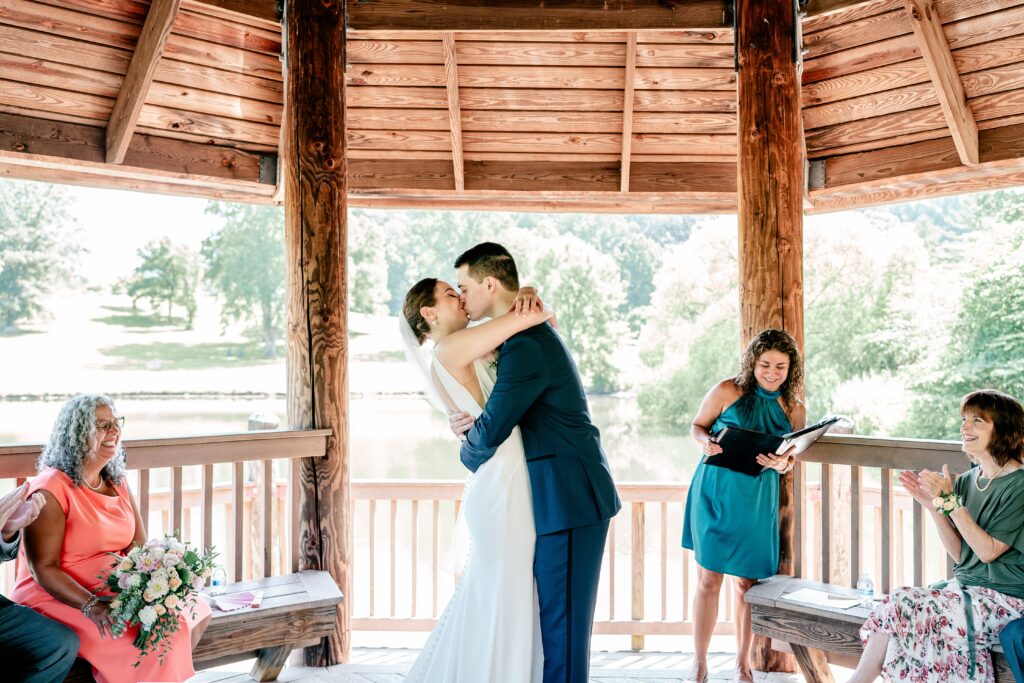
(726, 391)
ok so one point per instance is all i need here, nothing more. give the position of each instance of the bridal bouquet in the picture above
(152, 586)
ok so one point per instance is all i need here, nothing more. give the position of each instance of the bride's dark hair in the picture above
(421, 294)
(772, 340)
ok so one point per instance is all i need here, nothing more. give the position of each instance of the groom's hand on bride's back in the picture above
(460, 424)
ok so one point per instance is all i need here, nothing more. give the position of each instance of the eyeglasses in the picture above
(117, 422)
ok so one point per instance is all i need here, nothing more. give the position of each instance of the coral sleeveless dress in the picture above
(96, 525)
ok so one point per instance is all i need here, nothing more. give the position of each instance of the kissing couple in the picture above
(540, 493)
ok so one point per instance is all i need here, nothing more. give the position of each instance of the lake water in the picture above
(391, 438)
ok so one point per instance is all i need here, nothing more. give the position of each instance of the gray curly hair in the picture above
(71, 440)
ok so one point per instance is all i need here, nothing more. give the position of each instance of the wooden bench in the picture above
(813, 631)
(297, 611)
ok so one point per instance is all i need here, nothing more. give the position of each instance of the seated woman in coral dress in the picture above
(89, 513)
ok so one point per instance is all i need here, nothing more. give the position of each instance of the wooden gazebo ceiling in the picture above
(628, 106)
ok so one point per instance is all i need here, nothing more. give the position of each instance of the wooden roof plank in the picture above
(451, 73)
(924, 18)
(38, 141)
(208, 126)
(525, 15)
(135, 86)
(627, 112)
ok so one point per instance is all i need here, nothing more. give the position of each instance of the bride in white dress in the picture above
(490, 630)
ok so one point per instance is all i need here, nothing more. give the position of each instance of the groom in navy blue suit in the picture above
(538, 388)
(1012, 640)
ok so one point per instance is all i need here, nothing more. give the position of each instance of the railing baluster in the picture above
(856, 515)
(176, 485)
(433, 558)
(799, 503)
(415, 535)
(267, 501)
(686, 584)
(295, 512)
(664, 560)
(611, 570)
(144, 497)
(394, 545)
(238, 505)
(826, 526)
(207, 506)
(886, 530)
(637, 560)
(373, 536)
(919, 547)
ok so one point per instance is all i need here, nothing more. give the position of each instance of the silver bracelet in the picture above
(89, 604)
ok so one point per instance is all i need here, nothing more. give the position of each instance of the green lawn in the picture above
(177, 356)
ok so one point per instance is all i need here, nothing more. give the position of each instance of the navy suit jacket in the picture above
(538, 387)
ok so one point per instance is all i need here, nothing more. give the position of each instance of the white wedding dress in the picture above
(490, 630)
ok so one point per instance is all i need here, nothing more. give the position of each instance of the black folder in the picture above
(740, 447)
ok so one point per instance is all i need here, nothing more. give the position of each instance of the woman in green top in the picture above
(944, 632)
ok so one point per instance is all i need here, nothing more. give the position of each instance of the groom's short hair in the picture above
(490, 258)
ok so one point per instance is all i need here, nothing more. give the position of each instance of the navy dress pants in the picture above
(33, 648)
(567, 566)
(1012, 640)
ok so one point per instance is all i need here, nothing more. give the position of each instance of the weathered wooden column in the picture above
(770, 208)
(316, 238)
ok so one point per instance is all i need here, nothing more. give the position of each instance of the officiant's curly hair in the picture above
(491, 259)
(423, 293)
(772, 340)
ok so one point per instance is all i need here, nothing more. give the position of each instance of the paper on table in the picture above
(811, 596)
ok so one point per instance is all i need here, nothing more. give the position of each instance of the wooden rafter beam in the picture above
(451, 75)
(53, 151)
(920, 170)
(924, 18)
(529, 15)
(627, 109)
(261, 9)
(817, 7)
(136, 81)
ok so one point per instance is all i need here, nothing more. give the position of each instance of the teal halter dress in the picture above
(732, 520)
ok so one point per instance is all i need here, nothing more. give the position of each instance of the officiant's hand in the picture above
(780, 463)
(710, 447)
(460, 424)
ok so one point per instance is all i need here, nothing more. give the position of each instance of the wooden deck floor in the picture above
(382, 665)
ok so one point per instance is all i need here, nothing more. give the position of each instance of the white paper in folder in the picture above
(811, 596)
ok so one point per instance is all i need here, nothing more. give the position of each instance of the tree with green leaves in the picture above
(583, 287)
(244, 265)
(985, 346)
(168, 275)
(39, 247)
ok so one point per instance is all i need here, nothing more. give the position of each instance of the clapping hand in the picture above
(926, 485)
(18, 510)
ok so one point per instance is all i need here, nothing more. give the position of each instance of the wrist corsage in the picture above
(947, 503)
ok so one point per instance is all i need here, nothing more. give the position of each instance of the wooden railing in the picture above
(261, 541)
(848, 518)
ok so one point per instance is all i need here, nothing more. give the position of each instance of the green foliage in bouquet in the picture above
(151, 586)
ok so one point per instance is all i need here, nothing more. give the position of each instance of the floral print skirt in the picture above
(942, 633)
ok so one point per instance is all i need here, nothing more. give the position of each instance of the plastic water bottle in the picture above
(218, 581)
(865, 589)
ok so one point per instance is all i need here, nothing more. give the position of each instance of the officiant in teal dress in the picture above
(732, 519)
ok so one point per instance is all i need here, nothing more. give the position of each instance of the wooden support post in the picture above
(770, 215)
(136, 81)
(316, 242)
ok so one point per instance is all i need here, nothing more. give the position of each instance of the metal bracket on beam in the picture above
(816, 174)
(268, 170)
